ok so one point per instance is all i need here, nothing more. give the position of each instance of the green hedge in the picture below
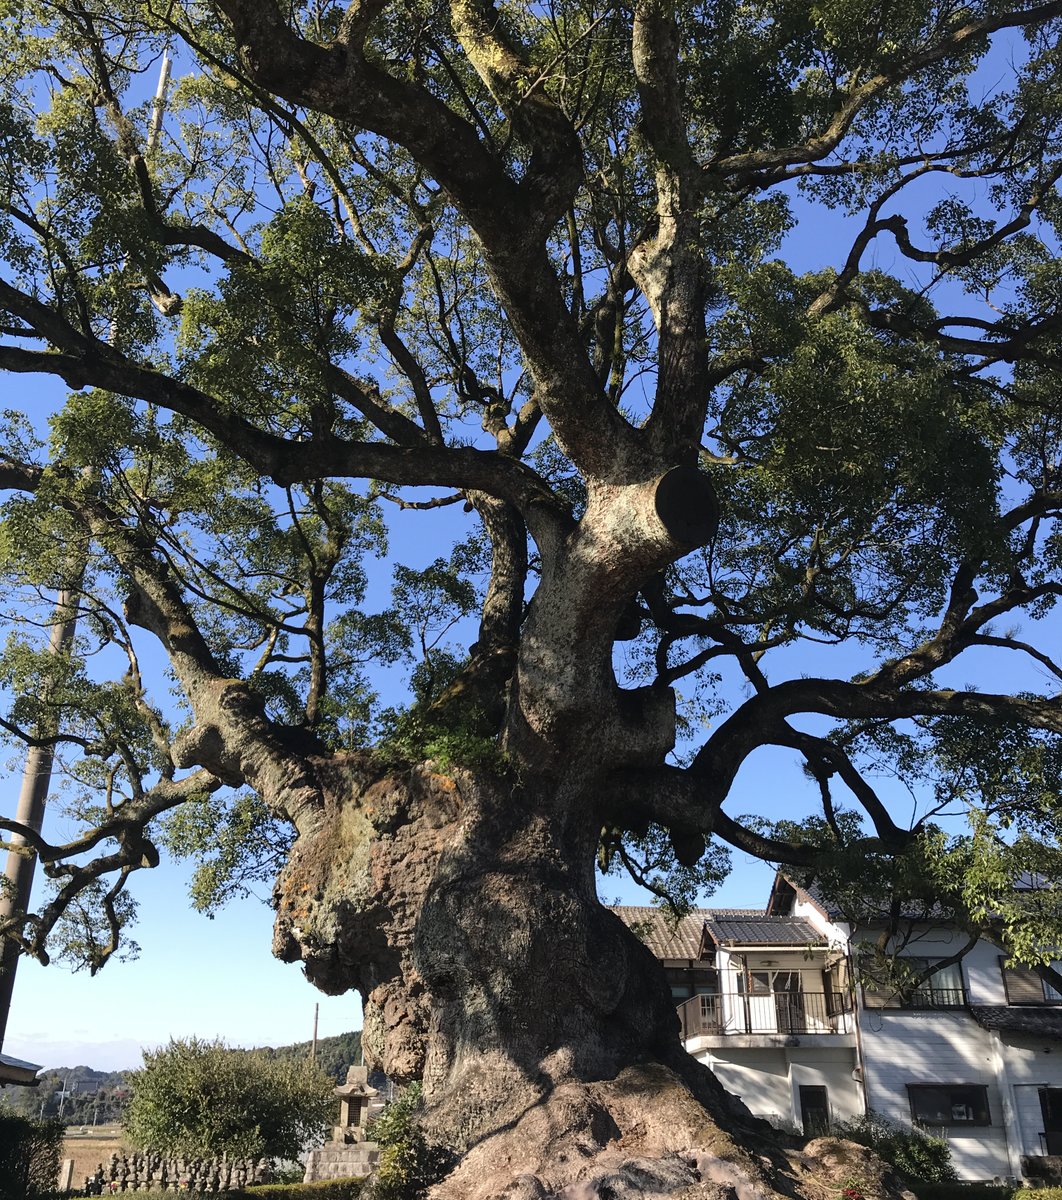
(29, 1156)
(325, 1189)
(330, 1189)
(983, 1191)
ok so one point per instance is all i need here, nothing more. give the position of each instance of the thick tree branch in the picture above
(95, 364)
(743, 732)
(556, 166)
(669, 267)
(338, 81)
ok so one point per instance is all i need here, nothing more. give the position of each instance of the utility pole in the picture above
(313, 1044)
(36, 780)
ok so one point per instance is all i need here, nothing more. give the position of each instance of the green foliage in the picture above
(29, 1156)
(916, 1155)
(326, 1189)
(202, 1098)
(881, 423)
(414, 736)
(101, 1097)
(981, 1191)
(409, 1163)
(233, 839)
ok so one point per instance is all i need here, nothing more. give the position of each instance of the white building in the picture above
(972, 1054)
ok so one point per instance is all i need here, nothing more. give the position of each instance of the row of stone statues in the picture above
(153, 1172)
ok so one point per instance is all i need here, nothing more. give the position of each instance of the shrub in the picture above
(202, 1098)
(29, 1156)
(409, 1163)
(914, 1154)
(980, 1191)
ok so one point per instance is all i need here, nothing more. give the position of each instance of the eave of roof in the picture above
(682, 940)
(18, 1071)
(872, 907)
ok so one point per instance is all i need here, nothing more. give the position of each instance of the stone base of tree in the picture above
(335, 1161)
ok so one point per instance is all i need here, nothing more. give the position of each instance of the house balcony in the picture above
(777, 1014)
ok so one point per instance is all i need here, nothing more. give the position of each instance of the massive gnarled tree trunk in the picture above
(519, 263)
(464, 908)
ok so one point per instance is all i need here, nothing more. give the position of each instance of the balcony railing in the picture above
(776, 1012)
(934, 997)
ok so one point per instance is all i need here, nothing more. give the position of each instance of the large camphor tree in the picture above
(521, 270)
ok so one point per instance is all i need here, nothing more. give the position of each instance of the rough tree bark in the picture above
(463, 904)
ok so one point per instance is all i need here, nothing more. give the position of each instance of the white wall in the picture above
(1028, 1064)
(760, 1077)
(944, 1046)
(768, 1079)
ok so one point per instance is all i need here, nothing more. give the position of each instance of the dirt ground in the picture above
(89, 1148)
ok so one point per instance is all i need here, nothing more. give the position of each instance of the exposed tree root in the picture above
(645, 1135)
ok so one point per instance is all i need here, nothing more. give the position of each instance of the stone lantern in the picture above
(354, 1097)
(349, 1152)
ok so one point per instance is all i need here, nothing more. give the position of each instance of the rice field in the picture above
(90, 1145)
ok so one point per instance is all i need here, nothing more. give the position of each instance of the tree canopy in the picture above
(729, 330)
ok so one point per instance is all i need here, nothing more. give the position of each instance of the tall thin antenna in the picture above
(158, 106)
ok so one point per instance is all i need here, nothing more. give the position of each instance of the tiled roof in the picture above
(760, 930)
(668, 938)
(1035, 1022)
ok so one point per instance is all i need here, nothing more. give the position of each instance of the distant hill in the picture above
(334, 1054)
(79, 1095)
(84, 1096)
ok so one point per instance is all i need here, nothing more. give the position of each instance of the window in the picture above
(1024, 985)
(691, 981)
(766, 983)
(937, 1104)
(943, 989)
